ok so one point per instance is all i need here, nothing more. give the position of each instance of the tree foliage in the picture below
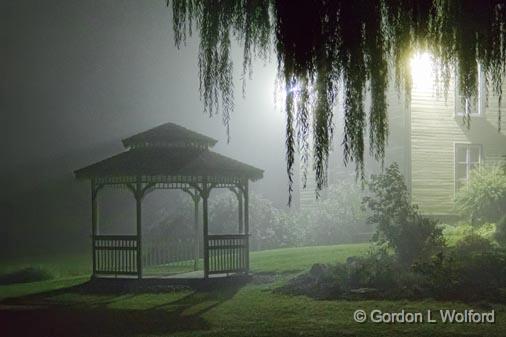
(399, 224)
(324, 46)
(337, 217)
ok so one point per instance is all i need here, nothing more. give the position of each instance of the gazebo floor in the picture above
(197, 274)
(194, 279)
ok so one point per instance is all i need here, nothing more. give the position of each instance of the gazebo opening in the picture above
(175, 245)
(171, 157)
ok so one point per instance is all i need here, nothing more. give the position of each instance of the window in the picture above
(474, 106)
(467, 157)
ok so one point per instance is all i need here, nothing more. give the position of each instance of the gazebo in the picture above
(170, 157)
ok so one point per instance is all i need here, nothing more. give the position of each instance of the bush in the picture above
(363, 276)
(378, 275)
(484, 197)
(399, 224)
(337, 216)
(454, 233)
(270, 227)
(500, 232)
(26, 275)
(473, 243)
(473, 270)
(377, 270)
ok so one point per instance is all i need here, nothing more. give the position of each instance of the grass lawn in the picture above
(242, 310)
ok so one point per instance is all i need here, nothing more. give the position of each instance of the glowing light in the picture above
(422, 70)
(294, 89)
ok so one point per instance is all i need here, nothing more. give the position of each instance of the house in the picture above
(430, 140)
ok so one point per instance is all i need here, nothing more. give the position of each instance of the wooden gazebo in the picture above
(170, 157)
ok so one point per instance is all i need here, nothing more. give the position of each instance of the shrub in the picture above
(270, 227)
(487, 231)
(30, 274)
(454, 233)
(377, 270)
(473, 270)
(500, 231)
(337, 216)
(362, 276)
(473, 243)
(399, 224)
(483, 199)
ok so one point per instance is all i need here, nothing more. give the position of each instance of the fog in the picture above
(77, 77)
(107, 230)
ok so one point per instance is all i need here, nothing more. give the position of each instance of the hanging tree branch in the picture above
(322, 43)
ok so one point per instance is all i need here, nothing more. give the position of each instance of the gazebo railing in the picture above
(115, 254)
(169, 252)
(228, 253)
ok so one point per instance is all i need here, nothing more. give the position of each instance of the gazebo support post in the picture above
(238, 193)
(94, 222)
(196, 200)
(246, 222)
(241, 217)
(138, 202)
(205, 197)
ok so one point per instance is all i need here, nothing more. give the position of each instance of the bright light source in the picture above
(422, 70)
(294, 89)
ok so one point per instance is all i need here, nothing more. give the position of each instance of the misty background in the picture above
(77, 77)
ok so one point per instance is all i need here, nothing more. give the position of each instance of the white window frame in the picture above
(480, 98)
(467, 162)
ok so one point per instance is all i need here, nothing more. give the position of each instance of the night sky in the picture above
(78, 76)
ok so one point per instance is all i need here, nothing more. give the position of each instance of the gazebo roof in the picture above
(177, 160)
(168, 134)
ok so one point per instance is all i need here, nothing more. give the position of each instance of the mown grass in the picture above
(59, 266)
(242, 310)
(301, 258)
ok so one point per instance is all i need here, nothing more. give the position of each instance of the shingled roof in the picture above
(168, 134)
(169, 162)
(146, 158)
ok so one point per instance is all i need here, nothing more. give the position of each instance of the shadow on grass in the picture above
(39, 315)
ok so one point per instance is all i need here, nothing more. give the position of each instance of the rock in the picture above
(363, 291)
(318, 270)
(351, 259)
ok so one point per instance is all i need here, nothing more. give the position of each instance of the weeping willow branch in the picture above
(359, 44)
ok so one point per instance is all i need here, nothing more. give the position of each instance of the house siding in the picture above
(422, 140)
(435, 129)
